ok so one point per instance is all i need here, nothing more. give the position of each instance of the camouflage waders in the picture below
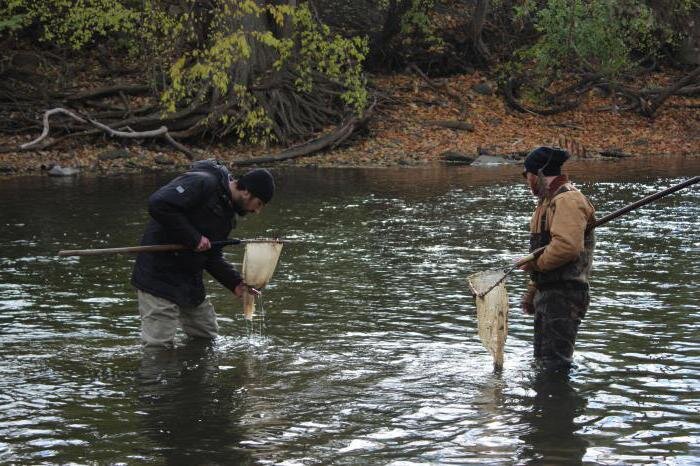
(561, 300)
(559, 310)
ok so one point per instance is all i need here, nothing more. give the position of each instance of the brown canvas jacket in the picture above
(568, 215)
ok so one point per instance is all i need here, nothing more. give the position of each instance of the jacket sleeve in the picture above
(221, 270)
(170, 204)
(567, 230)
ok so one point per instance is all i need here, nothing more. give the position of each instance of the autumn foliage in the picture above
(364, 83)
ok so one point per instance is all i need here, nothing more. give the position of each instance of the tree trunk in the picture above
(380, 42)
(690, 49)
(475, 29)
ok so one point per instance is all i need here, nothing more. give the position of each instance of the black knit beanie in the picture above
(547, 159)
(259, 183)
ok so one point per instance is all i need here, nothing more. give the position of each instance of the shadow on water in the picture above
(190, 406)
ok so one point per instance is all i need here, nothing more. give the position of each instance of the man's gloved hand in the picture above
(527, 302)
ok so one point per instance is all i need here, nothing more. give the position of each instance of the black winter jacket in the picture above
(194, 204)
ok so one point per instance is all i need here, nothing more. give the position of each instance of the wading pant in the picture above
(160, 319)
(558, 313)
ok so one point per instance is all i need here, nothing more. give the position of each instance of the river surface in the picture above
(370, 353)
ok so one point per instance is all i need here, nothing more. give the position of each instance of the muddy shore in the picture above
(410, 130)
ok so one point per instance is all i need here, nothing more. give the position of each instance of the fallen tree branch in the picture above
(586, 81)
(48, 144)
(684, 91)
(615, 153)
(45, 132)
(337, 136)
(450, 124)
(650, 109)
(156, 133)
(191, 154)
(684, 105)
(130, 134)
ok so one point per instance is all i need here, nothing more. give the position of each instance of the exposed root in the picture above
(327, 141)
(161, 132)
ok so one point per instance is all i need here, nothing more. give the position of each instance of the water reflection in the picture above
(551, 434)
(191, 405)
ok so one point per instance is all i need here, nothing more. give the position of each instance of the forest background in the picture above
(108, 85)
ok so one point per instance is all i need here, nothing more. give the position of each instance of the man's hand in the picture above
(243, 287)
(527, 266)
(527, 301)
(203, 245)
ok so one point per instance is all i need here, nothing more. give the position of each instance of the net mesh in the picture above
(259, 263)
(491, 312)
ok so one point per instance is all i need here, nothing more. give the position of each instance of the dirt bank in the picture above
(408, 128)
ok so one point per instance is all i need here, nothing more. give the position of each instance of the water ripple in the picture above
(370, 355)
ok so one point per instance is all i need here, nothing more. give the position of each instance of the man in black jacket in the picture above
(194, 209)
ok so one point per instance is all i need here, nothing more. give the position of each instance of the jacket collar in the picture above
(556, 183)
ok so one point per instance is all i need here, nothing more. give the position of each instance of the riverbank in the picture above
(409, 128)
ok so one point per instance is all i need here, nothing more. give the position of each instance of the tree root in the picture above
(644, 101)
(161, 132)
(510, 89)
(99, 112)
(650, 109)
(327, 141)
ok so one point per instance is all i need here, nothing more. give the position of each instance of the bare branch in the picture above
(130, 134)
(191, 154)
(45, 132)
(650, 110)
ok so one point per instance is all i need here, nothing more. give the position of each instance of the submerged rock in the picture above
(452, 156)
(492, 160)
(57, 170)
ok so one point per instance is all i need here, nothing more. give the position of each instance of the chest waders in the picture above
(561, 300)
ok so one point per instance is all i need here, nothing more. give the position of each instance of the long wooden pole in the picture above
(646, 200)
(160, 247)
(618, 213)
(126, 250)
(603, 220)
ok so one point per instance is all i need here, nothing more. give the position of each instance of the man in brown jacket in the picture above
(558, 293)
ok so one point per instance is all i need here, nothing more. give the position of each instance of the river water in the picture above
(370, 354)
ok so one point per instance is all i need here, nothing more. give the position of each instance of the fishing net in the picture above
(491, 312)
(259, 263)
